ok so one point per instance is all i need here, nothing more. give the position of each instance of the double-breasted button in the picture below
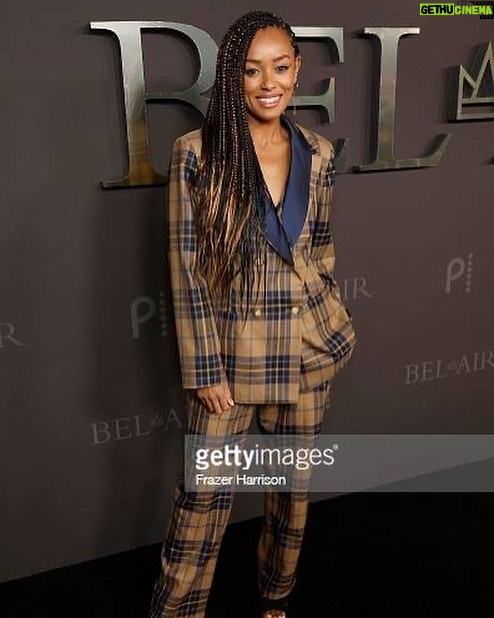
(257, 313)
(295, 310)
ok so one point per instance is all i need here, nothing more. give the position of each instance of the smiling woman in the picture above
(261, 327)
(271, 72)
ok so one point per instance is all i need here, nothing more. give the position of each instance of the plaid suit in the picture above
(279, 364)
(297, 335)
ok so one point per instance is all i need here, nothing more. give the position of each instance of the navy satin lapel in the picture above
(296, 199)
(283, 234)
(275, 232)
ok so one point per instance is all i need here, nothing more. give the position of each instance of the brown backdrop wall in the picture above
(90, 396)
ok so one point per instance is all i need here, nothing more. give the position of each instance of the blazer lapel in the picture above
(296, 200)
(315, 167)
(283, 233)
(276, 233)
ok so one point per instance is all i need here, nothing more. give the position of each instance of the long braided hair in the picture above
(229, 210)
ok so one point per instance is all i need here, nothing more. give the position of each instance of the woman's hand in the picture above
(217, 398)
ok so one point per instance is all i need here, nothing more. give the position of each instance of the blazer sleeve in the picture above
(197, 335)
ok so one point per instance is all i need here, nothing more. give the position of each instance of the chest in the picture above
(275, 167)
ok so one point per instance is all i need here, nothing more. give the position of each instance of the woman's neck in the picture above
(265, 134)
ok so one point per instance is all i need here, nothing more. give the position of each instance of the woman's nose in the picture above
(267, 81)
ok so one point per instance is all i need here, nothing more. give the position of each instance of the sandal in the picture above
(274, 608)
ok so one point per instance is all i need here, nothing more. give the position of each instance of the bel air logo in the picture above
(136, 97)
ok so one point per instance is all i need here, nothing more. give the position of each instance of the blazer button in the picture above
(257, 313)
(295, 310)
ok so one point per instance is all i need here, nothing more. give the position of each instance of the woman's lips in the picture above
(271, 101)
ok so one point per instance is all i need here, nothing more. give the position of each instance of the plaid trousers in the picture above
(199, 519)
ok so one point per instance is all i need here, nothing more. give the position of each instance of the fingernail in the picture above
(231, 402)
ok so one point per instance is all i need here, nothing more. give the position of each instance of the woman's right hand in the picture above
(217, 398)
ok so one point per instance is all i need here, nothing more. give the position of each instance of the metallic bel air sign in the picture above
(141, 171)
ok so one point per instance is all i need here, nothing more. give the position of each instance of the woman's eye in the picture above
(250, 72)
(282, 68)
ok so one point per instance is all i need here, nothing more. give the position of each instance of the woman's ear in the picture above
(298, 62)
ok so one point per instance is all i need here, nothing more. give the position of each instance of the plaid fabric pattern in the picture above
(199, 519)
(298, 333)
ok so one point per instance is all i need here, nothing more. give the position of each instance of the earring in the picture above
(294, 109)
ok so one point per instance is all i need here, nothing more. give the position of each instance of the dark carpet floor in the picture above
(364, 555)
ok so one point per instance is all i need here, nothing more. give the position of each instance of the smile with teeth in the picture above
(270, 101)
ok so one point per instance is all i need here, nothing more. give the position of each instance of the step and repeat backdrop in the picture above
(93, 96)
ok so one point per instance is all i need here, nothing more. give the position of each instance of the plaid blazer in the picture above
(298, 333)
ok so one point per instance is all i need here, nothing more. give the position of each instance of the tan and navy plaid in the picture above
(299, 314)
(199, 519)
(279, 364)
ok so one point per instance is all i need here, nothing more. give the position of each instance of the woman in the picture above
(260, 323)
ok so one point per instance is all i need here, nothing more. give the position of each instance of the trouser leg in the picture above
(286, 512)
(197, 525)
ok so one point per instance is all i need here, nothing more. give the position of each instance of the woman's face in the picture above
(270, 76)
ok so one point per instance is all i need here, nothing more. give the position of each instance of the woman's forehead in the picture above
(268, 41)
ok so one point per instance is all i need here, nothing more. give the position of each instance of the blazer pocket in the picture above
(327, 328)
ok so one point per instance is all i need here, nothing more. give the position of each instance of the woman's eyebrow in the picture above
(253, 61)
